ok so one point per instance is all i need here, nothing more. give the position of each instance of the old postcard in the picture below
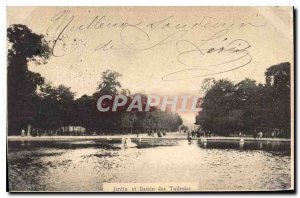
(150, 99)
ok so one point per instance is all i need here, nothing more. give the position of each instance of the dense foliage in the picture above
(35, 103)
(22, 84)
(247, 106)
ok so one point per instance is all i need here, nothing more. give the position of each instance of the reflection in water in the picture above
(86, 165)
(275, 147)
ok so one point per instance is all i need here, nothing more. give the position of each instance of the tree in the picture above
(86, 113)
(247, 106)
(218, 114)
(207, 84)
(109, 84)
(33, 101)
(128, 120)
(22, 84)
(66, 103)
(279, 92)
(54, 107)
(246, 99)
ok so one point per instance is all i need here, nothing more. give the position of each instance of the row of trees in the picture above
(247, 106)
(121, 120)
(34, 102)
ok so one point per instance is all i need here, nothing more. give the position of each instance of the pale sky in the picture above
(147, 44)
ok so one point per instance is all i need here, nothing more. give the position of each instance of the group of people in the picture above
(150, 133)
(197, 134)
(273, 134)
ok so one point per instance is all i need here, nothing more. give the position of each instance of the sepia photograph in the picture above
(150, 99)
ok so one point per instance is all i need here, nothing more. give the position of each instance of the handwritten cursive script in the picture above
(207, 55)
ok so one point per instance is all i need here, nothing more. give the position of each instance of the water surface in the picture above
(86, 165)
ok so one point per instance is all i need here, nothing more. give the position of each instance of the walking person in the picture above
(255, 134)
(260, 134)
(189, 138)
(23, 133)
(273, 134)
(193, 134)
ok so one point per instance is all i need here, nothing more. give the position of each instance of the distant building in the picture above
(72, 130)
